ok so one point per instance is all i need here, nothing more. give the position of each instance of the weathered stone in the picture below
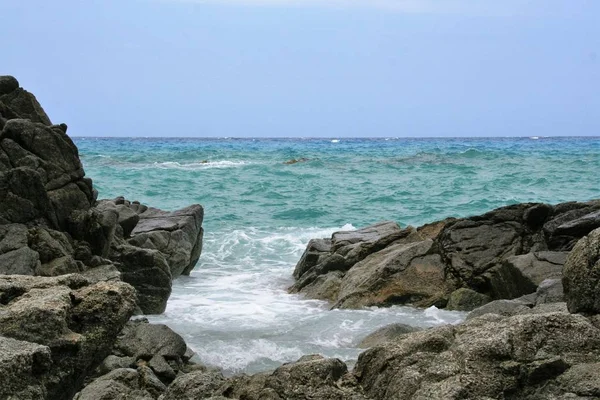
(147, 271)
(23, 261)
(8, 84)
(25, 105)
(581, 279)
(123, 384)
(550, 291)
(487, 357)
(465, 299)
(400, 274)
(386, 334)
(195, 385)
(77, 321)
(501, 307)
(178, 235)
(140, 339)
(24, 367)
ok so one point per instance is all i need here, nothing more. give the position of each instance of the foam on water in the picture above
(235, 311)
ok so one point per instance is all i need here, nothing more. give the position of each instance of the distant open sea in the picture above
(260, 212)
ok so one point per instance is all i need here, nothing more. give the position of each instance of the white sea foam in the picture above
(335, 141)
(202, 164)
(235, 312)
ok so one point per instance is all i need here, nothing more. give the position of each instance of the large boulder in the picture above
(404, 273)
(311, 377)
(491, 357)
(581, 279)
(503, 254)
(77, 322)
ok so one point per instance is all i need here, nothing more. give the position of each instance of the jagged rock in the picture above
(503, 254)
(502, 307)
(465, 299)
(124, 384)
(8, 84)
(23, 197)
(147, 271)
(76, 320)
(550, 291)
(488, 357)
(24, 366)
(311, 377)
(178, 235)
(404, 273)
(24, 104)
(386, 334)
(581, 279)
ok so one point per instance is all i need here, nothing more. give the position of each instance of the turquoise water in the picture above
(260, 213)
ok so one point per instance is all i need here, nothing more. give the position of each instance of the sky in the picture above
(309, 68)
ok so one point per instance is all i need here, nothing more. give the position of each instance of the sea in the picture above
(262, 208)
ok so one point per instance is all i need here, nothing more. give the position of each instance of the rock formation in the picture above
(51, 223)
(459, 263)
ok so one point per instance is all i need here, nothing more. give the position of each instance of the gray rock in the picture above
(386, 334)
(24, 367)
(465, 299)
(485, 358)
(178, 235)
(501, 307)
(195, 385)
(123, 384)
(76, 320)
(550, 291)
(113, 362)
(140, 339)
(582, 275)
(23, 261)
(409, 273)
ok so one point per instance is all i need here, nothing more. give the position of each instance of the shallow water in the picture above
(234, 310)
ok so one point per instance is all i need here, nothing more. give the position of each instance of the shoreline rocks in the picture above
(457, 263)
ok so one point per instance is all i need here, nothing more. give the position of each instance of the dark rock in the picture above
(386, 334)
(25, 105)
(8, 84)
(178, 235)
(23, 261)
(582, 275)
(147, 271)
(465, 299)
(124, 384)
(485, 358)
(23, 197)
(195, 385)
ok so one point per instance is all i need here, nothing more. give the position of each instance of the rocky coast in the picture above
(74, 270)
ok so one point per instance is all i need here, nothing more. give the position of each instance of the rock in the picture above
(386, 334)
(23, 197)
(8, 84)
(485, 358)
(550, 291)
(294, 160)
(570, 222)
(76, 320)
(113, 362)
(23, 261)
(147, 271)
(582, 275)
(538, 266)
(24, 104)
(24, 367)
(465, 299)
(123, 384)
(128, 219)
(501, 307)
(178, 235)
(139, 339)
(409, 273)
(195, 385)
(324, 287)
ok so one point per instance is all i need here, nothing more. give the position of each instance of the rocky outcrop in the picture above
(51, 223)
(465, 262)
(582, 275)
(536, 356)
(386, 334)
(56, 330)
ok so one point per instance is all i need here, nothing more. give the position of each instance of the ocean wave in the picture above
(204, 164)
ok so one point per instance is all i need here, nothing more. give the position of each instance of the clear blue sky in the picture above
(309, 68)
